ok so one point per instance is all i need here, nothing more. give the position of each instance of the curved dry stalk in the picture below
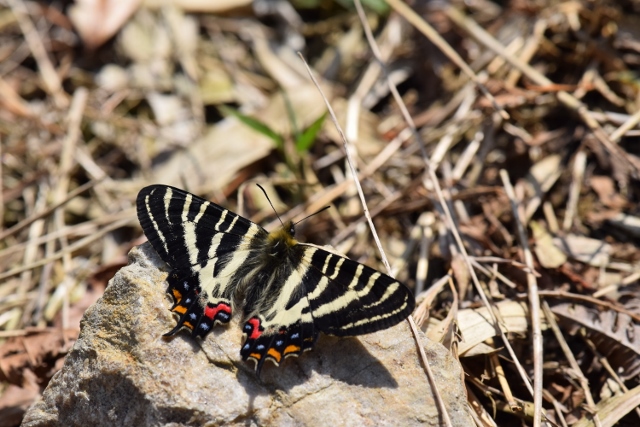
(534, 301)
(352, 168)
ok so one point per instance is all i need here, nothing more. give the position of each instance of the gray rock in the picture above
(121, 371)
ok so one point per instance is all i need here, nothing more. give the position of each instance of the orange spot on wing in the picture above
(177, 295)
(256, 356)
(275, 354)
(291, 349)
(180, 309)
(188, 325)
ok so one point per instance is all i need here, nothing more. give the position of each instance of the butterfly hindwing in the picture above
(204, 244)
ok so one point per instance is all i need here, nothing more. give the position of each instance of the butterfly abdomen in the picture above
(280, 256)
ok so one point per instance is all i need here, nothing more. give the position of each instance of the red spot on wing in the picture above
(211, 312)
(255, 331)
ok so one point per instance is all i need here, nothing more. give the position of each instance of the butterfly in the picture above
(288, 291)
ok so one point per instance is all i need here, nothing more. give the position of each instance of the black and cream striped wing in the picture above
(348, 298)
(323, 292)
(291, 291)
(205, 245)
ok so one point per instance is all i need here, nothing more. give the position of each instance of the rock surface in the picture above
(121, 371)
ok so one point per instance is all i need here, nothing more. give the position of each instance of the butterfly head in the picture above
(284, 234)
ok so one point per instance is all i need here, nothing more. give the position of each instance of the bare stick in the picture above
(534, 301)
(345, 143)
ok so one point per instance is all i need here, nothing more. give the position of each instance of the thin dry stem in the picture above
(551, 319)
(47, 71)
(579, 165)
(534, 301)
(502, 380)
(628, 125)
(354, 173)
(591, 300)
(412, 324)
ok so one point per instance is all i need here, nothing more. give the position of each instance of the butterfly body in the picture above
(288, 291)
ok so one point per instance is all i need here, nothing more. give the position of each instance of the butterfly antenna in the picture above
(269, 200)
(315, 213)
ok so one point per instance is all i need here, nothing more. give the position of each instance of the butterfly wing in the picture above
(205, 245)
(347, 298)
(323, 292)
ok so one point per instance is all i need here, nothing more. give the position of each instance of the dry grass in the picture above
(493, 147)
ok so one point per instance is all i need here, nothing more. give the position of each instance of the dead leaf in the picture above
(98, 20)
(476, 327)
(38, 351)
(614, 334)
(548, 254)
(585, 249)
(606, 190)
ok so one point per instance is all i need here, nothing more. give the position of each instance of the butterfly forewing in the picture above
(290, 291)
(204, 244)
(186, 230)
(349, 298)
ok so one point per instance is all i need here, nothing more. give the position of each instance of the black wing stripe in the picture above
(331, 267)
